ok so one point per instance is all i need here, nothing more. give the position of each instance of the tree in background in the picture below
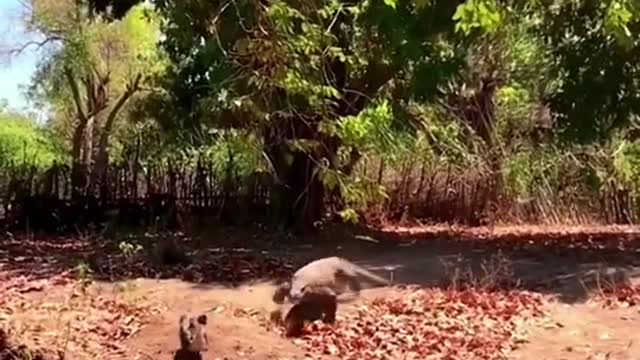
(595, 49)
(24, 143)
(96, 68)
(322, 101)
(315, 93)
(290, 70)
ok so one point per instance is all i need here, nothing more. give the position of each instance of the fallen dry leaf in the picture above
(428, 323)
(93, 326)
(619, 296)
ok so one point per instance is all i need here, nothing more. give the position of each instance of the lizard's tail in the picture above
(371, 276)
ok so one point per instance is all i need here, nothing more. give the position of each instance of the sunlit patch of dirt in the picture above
(66, 316)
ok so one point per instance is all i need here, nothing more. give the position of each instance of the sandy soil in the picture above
(576, 328)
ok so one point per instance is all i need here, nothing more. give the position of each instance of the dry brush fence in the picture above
(129, 194)
(478, 196)
(167, 194)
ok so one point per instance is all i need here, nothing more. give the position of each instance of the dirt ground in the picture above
(576, 328)
(578, 331)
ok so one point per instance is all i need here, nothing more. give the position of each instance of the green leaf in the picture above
(482, 15)
(349, 216)
(391, 3)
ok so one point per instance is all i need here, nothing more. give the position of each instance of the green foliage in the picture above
(234, 154)
(526, 171)
(477, 15)
(85, 274)
(116, 50)
(55, 16)
(126, 47)
(440, 139)
(370, 129)
(619, 20)
(349, 216)
(23, 143)
(594, 45)
(129, 250)
(323, 90)
(515, 109)
(619, 163)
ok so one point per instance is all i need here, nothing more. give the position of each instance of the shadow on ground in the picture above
(561, 261)
(547, 260)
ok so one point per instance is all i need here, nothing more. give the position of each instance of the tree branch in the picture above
(68, 72)
(364, 88)
(131, 89)
(37, 44)
(102, 159)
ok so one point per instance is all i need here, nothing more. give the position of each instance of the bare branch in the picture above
(38, 44)
(102, 159)
(76, 93)
(131, 89)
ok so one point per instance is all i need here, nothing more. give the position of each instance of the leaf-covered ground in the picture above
(429, 324)
(72, 296)
(62, 315)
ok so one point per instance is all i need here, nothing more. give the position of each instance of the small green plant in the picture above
(128, 249)
(85, 274)
(349, 216)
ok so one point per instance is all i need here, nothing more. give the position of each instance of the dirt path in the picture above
(575, 329)
(572, 331)
(234, 337)
(584, 331)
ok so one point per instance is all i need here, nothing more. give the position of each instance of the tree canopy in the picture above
(312, 92)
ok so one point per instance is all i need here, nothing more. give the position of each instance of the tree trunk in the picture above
(78, 171)
(94, 105)
(88, 141)
(101, 162)
(298, 197)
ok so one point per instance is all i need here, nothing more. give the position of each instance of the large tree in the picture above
(595, 45)
(295, 73)
(88, 79)
(290, 70)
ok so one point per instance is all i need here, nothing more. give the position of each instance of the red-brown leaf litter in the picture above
(428, 324)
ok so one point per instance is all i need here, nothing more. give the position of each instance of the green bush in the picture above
(24, 143)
